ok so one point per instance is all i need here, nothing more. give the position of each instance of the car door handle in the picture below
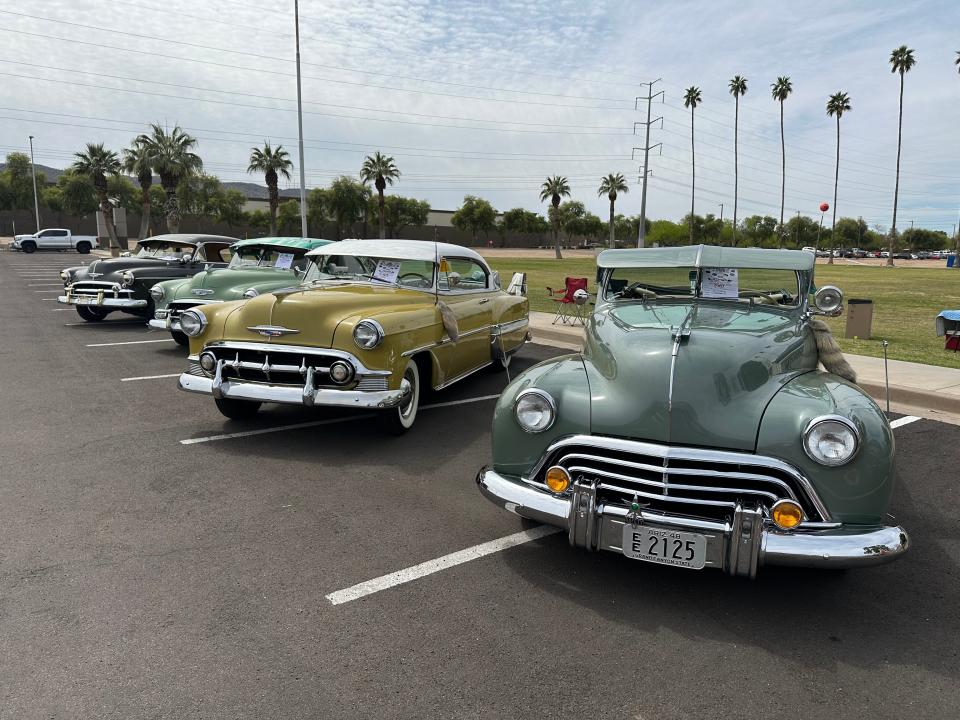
(485, 300)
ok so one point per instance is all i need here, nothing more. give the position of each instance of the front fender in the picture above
(177, 289)
(515, 451)
(858, 492)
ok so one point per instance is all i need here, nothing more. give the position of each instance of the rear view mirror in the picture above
(185, 258)
(518, 284)
(495, 279)
(829, 300)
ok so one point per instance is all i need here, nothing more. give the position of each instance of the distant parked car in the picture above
(54, 239)
(809, 249)
(924, 255)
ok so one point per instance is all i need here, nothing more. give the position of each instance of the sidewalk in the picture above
(912, 385)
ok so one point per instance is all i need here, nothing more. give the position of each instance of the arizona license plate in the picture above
(665, 547)
(85, 299)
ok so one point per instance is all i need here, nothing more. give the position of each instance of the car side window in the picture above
(463, 275)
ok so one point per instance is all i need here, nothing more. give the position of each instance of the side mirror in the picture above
(185, 258)
(125, 253)
(518, 284)
(829, 300)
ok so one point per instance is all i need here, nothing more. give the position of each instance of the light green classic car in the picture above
(695, 429)
(260, 265)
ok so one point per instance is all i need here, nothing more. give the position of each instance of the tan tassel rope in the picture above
(831, 356)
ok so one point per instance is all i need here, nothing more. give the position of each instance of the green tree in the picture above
(18, 178)
(758, 230)
(525, 222)
(837, 105)
(77, 196)
(287, 219)
(317, 209)
(345, 202)
(475, 216)
(97, 163)
(400, 212)
(780, 90)
(691, 98)
(259, 221)
(664, 233)
(230, 207)
(924, 239)
(171, 156)
(901, 61)
(611, 185)
(158, 199)
(851, 231)
(272, 163)
(554, 188)
(801, 231)
(381, 171)
(199, 195)
(136, 161)
(738, 88)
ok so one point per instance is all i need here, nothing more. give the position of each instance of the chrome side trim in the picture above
(461, 376)
(508, 327)
(668, 452)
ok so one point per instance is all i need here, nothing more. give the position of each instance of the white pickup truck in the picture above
(54, 239)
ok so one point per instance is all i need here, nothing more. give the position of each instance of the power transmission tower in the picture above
(642, 232)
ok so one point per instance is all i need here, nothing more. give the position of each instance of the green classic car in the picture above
(695, 429)
(256, 266)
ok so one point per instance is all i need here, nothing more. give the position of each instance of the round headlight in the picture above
(156, 292)
(831, 440)
(535, 410)
(65, 276)
(126, 278)
(192, 322)
(368, 334)
(251, 293)
(208, 361)
(340, 372)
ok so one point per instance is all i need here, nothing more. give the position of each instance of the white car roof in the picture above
(402, 249)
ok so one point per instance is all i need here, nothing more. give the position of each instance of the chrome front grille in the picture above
(282, 366)
(683, 482)
(176, 307)
(93, 289)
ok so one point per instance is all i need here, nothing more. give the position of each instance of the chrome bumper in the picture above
(287, 395)
(168, 324)
(737, 547)
(102, 301)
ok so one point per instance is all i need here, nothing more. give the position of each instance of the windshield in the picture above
(165, 251)
(417, 274)
(769, 287)
(267, 257)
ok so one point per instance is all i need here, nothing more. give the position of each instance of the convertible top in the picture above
(402, 249)
(297, 243)
(186, 239)
(708, 256)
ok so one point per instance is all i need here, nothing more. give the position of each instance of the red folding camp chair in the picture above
(568, 309)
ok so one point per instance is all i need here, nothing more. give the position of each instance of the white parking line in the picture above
(441, 563)
(149, 377)
(44, 284)
(312, 423)
(105, 323)
(900, 422)
(130, 342)
(48, 291)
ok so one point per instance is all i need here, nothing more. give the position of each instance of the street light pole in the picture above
(36, 201)
(303, 184)
(721, 213)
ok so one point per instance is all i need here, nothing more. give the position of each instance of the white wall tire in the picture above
(398, 420)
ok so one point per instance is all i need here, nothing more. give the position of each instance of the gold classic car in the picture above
(371, 323)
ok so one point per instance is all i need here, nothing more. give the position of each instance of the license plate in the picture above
(84, 300)
(666, 547)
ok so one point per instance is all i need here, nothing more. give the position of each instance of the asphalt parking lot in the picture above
(159, 561)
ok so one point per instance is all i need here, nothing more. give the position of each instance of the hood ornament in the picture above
(202, 291)
(272, 330)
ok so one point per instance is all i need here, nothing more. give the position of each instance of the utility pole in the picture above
(303, 184)
(36, 202)
(642, 232)
(797, 243)
(721, 213)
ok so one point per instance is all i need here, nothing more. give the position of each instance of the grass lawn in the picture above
(905, 301)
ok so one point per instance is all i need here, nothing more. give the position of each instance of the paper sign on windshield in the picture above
(387, 270)
(284, 261)
(719, 283)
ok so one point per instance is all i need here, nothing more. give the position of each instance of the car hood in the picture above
(110, 270)
(708, 390)
(315, 312)
(222, 281)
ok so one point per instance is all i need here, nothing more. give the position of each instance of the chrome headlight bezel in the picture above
(157, 293)
(65, 276)
(126, 278)
(372, 334)
(250, 293)
(547, 406)
(192, 322)
(840, 425)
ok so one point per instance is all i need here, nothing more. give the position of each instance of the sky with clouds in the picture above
(488, 98)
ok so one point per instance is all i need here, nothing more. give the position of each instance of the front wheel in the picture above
(398, 420)
(237, 409)
(179, 338)
(29, 247)
(91, 314)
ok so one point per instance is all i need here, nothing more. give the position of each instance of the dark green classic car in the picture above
(695, 429)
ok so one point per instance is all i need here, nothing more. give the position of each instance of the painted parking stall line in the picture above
(430, 567)
(900, 422)
(150, 377)
(44, 284)
(130, 342)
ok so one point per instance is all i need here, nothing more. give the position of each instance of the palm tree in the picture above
(610, 186)
(555, 187)
(738, 87)
(380, 170)
(837, 105)
(272, 163)
(780, 90)
(136, 161)
(691, 98)
(901, 60)
(956, 249)
(97, 163)
(171, 156)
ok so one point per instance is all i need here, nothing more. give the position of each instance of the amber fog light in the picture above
(786, 514)
(557, 479)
